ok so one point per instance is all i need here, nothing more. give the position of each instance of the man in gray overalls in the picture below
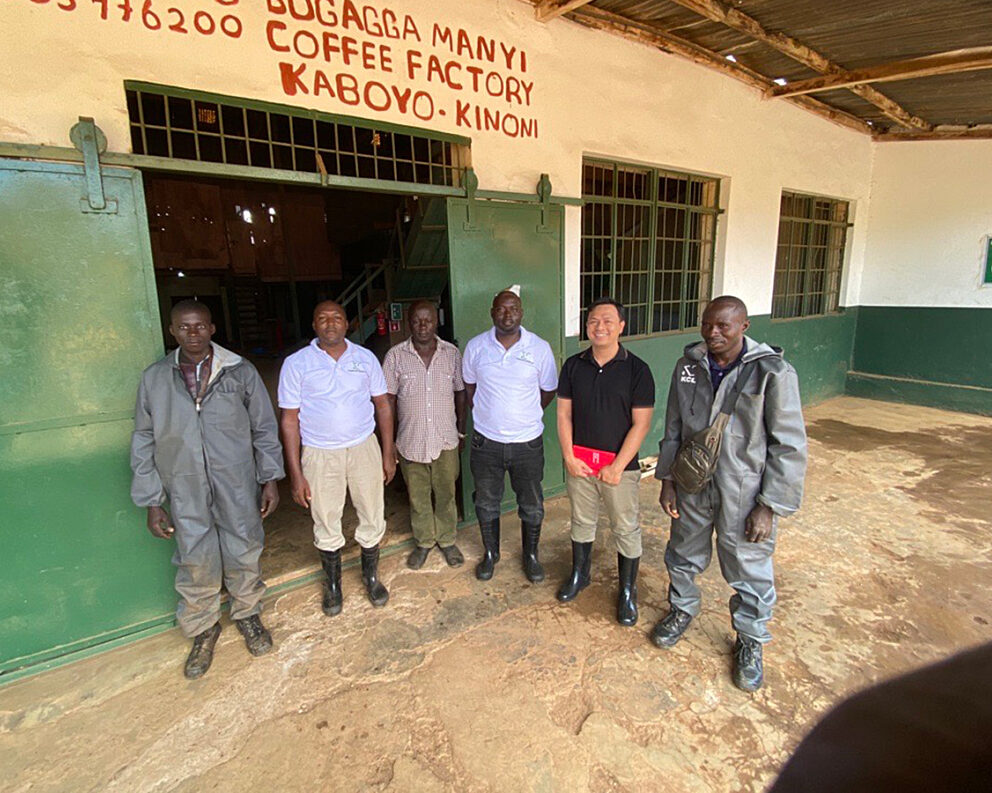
(759, 477)
(205, 441)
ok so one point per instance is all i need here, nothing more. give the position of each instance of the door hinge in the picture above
(90, 140)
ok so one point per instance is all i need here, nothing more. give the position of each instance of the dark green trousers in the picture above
(432, 521)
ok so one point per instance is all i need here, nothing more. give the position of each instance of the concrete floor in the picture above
(459, 685)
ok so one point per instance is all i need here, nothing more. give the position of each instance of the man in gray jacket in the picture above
(205, 440)
(758, 478)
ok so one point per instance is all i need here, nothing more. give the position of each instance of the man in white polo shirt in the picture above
(510, 377)
(332, 394)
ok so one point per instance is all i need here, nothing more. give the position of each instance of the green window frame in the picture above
(648, 240)
(178, 123)
(809, 262)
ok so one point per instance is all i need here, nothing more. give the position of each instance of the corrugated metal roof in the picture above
(853, 34)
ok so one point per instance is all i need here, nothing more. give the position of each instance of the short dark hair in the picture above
(608, 301)
(190, 304)
(732, 302)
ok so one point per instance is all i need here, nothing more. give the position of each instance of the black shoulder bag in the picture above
(696, 460)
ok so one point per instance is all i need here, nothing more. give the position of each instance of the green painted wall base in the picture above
(947, 396)
(937, 357)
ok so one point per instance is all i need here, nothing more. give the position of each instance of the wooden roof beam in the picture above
(953, 62)
(940, 132)
(719, 11)
(598, 19)
(547, 10)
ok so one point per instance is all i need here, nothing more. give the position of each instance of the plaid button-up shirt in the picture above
(425, 399)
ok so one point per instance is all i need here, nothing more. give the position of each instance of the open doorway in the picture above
(261, 256)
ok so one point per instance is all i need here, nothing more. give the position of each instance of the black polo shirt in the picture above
(603, 398)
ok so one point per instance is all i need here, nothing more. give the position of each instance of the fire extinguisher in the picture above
(380, 323)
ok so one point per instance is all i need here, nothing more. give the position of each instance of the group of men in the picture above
(206, 443)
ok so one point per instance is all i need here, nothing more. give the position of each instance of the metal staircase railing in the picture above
(358, 297)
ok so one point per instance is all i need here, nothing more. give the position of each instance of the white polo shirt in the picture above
(334, 397)
(508, 385)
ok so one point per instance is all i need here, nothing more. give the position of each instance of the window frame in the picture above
(835, 257)
(705, 271)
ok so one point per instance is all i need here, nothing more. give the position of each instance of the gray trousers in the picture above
(219, 539)
(746, 566)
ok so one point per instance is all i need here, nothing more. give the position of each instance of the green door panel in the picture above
(493, 245)
(80, 322)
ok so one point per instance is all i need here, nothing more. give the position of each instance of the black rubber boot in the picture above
(627, 596)
(377, 593)
(490, 555)
(749, 673)
(579, 580)
(530, 537)
(331, 602)
(201, 655)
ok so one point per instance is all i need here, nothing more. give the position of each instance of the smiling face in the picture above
(604, 326)
(423, 323)
(192, 330)
(722, 328)
(330, 323)
(507, 313)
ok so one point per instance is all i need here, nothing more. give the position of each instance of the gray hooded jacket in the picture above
(763, 455)
(231, 444)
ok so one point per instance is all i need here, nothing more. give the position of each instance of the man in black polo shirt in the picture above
(605, 402)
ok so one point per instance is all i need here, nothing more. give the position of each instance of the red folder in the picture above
(594, 458)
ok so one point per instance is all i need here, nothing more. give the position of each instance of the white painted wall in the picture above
(593, 94)
(930, 215)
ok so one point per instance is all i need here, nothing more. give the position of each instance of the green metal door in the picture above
(493, 245)
(80, 322)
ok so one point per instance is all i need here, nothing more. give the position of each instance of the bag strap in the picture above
(731, 401)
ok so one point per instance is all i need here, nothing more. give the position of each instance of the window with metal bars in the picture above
(812, 236)
(648, 239)
(181, 124)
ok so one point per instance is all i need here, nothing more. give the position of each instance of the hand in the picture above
(270, 498)
(461, 443)
(667, 499)
(577, 467)
(301, 491)
(388, 467)
(758, 526)
(160, 524)
(610, 474)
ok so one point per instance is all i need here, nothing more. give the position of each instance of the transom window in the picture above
(812, 236)
(176, 123)
(648, 240)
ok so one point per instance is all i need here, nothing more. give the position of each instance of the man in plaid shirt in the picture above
(424, 381)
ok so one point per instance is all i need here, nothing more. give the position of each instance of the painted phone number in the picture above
(158, 16)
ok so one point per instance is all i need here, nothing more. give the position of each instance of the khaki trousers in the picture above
(334, 472)
(622, 508)
(432, 523)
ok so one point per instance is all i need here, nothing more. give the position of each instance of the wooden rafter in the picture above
(952, 62)
(597, 18)
(940, 132)
(719, 11)
(549, 9)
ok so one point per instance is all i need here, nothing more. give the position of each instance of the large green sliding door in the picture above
(492, 246)
(80, 322)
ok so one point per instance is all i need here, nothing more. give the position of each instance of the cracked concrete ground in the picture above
(459, 685)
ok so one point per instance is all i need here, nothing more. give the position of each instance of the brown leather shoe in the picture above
(453, 556)
(417, 558)
(202, 654)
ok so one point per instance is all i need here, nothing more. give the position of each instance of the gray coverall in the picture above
(762, 461)
(209, 465)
